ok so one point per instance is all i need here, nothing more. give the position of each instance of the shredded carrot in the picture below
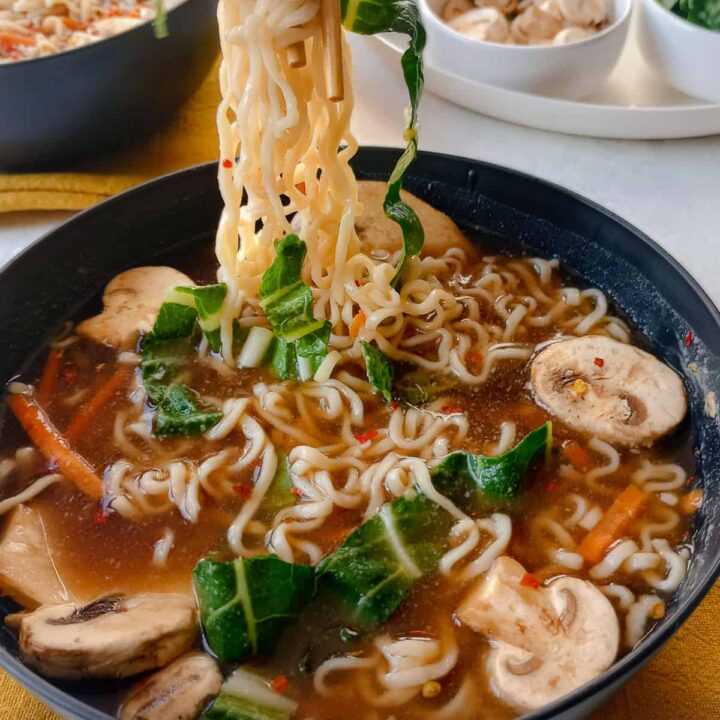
(301, 187)
(691, 502)
(89, 410)
(625, 508)
(280, 683)
(53, 446)
(578, 456)
(7, 38)
(49, 377)
(71, 24)
(357, 324)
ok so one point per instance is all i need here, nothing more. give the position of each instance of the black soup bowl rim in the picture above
(64, 702)
(143, 27)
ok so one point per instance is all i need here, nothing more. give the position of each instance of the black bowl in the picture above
(54, 279)
(92, 100)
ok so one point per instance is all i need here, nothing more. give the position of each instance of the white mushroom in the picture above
(610, 390)
(179, 691)
(132, 300)
(546, 641)
(534, 26)
(583, 12)
(453, 8)
(504, 6)
(27, 571)
(484, 23)
(111, 637)
(572, 34)
(377, 232)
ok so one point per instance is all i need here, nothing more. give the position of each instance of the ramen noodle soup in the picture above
(37, 28)
(356, 465)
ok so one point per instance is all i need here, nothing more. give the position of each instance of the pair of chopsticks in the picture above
(332, 34)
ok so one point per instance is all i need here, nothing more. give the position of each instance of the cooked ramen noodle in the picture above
(36, 28)
(385, 473)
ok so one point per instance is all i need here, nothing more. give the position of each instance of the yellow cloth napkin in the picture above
(191, 139)
(681, 683)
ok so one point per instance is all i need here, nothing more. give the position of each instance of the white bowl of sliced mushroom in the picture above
(561, 48)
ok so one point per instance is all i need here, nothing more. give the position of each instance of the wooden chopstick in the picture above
(332, 32)
(296, 54)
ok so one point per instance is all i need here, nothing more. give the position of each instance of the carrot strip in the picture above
(625, 508)
(7, 38)
(578, 456)
(691, 502)
(89, 410)
(52, 445)
(71, 24)
(357, 324)
(49, 377)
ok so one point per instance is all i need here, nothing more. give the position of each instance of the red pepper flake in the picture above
(243, 490)
(685, 536)
(69, 376)
(689, 481)
(227, 163)
(599, 362)
(394, 406)
(366, 436)
(280, 683)
(476, 358)
(529, 580)
(301, 188)
(358, 283)
(551, 486)
(451, 410)
(296, 491)
(689, 338)
(100, 517)
(288, 521)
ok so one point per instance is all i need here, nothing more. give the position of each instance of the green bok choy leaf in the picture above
(374, 569)
(245, 604)
(370, 17)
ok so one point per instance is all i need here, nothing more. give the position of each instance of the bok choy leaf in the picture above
(374, 569)
(370, 17)
(166, 350)
(179, 413)
(247, 695)
(302, 340)
(245, 604)
(473, 481)
(379, 369)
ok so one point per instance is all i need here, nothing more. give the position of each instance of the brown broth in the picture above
(98, 554)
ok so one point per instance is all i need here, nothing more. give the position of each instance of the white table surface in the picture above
(670, 189)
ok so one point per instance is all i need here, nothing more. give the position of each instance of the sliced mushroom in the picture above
(379, 233)
(546, 641)
(132, 300)
(608, 389)
(111, 637)
(179, 691)
(27, 571)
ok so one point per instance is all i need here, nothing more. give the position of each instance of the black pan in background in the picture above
(61, 273)
(64, 108)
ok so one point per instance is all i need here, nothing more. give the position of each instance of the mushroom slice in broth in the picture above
(179, 691)
(546, 641)
(610, 390)
(111, 637)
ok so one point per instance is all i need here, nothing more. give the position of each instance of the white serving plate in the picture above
(634, 104)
